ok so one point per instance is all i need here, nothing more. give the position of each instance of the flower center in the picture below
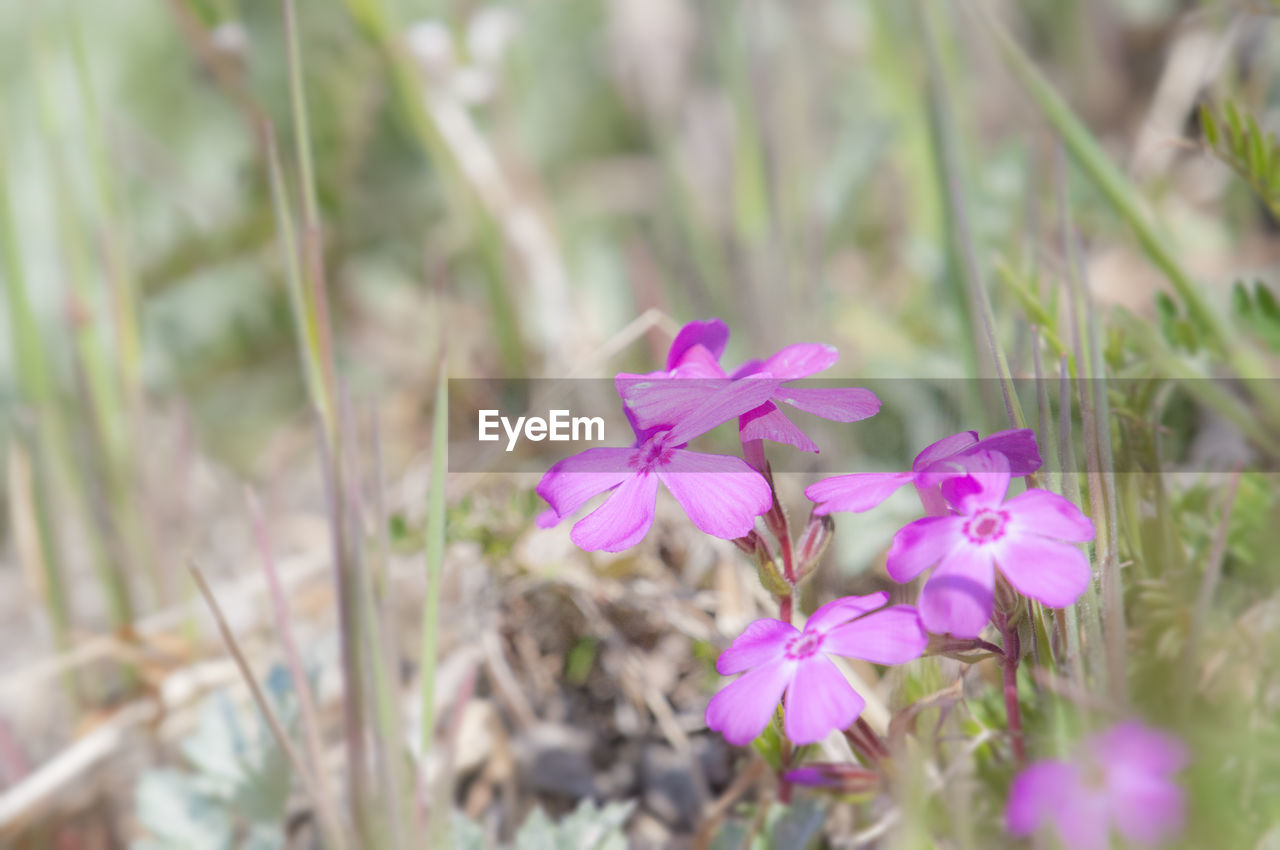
(654, 452)
(986, 526)
(803, 646)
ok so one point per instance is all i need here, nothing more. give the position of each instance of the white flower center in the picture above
(804, 646)
(986, 526)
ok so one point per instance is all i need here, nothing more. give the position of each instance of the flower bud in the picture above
(835, 776)
(968, 650)
(770, 576)
(1008, 602)
(813, 542)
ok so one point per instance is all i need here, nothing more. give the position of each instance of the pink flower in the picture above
(1029, 537)
(1121, 779)
(721, 494)
(946, 458)
(777, 658)
(693, 368)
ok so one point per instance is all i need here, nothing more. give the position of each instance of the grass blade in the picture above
(435, 557)
(950, 176)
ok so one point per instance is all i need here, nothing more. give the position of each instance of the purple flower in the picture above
(721, 494)
(778, 658)
(1024, 536)
(693, 363)
(1121, 779)
(946, 458)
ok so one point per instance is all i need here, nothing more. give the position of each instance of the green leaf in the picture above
(1210, 127)
(732, 835)
(1266, 302)
(466, 834)
(178, 814)
(1235, 128)
(587, 827)
(1256, 153)
(579, 660)
(1241, 305)
(799, 824)
(769, 743)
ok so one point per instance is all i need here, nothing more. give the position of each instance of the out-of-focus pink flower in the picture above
(1030, 537)
(778, 658)
(693, 368)
(721, 494)
(1122, 780)
(862, 491)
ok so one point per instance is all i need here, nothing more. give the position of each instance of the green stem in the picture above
(435, 565)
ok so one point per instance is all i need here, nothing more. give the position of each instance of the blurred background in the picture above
(244, 242)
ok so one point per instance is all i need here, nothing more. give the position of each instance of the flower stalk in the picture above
(1009, 660)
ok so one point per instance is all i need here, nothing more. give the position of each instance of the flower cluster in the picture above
(667, 409)
(981, 549)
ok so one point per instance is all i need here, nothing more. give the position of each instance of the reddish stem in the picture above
(784, 613)
(788, 572)
(1012, 655)
(784, 787)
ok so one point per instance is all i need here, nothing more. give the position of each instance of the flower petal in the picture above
(801, 360)
(767, 422)
(711, 334)
(945, 448)
(728, 402)
(1053, 573)
(1018, 445)
(1082, 818)
(1050, 515)
(697, 362)
(921, 544)
(858, 492)
(842, 610)
(723, 495)
(760, 642)
(892, 636)
(1036, 794)
(623, 520)
(642, 434)
(1146, 809)
(819, 701)
(984, 484)
(657, 400)
(547, 519)
(839, 404)
(744, 706)
(1134, 746)
(570, 483)
(957, 597)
